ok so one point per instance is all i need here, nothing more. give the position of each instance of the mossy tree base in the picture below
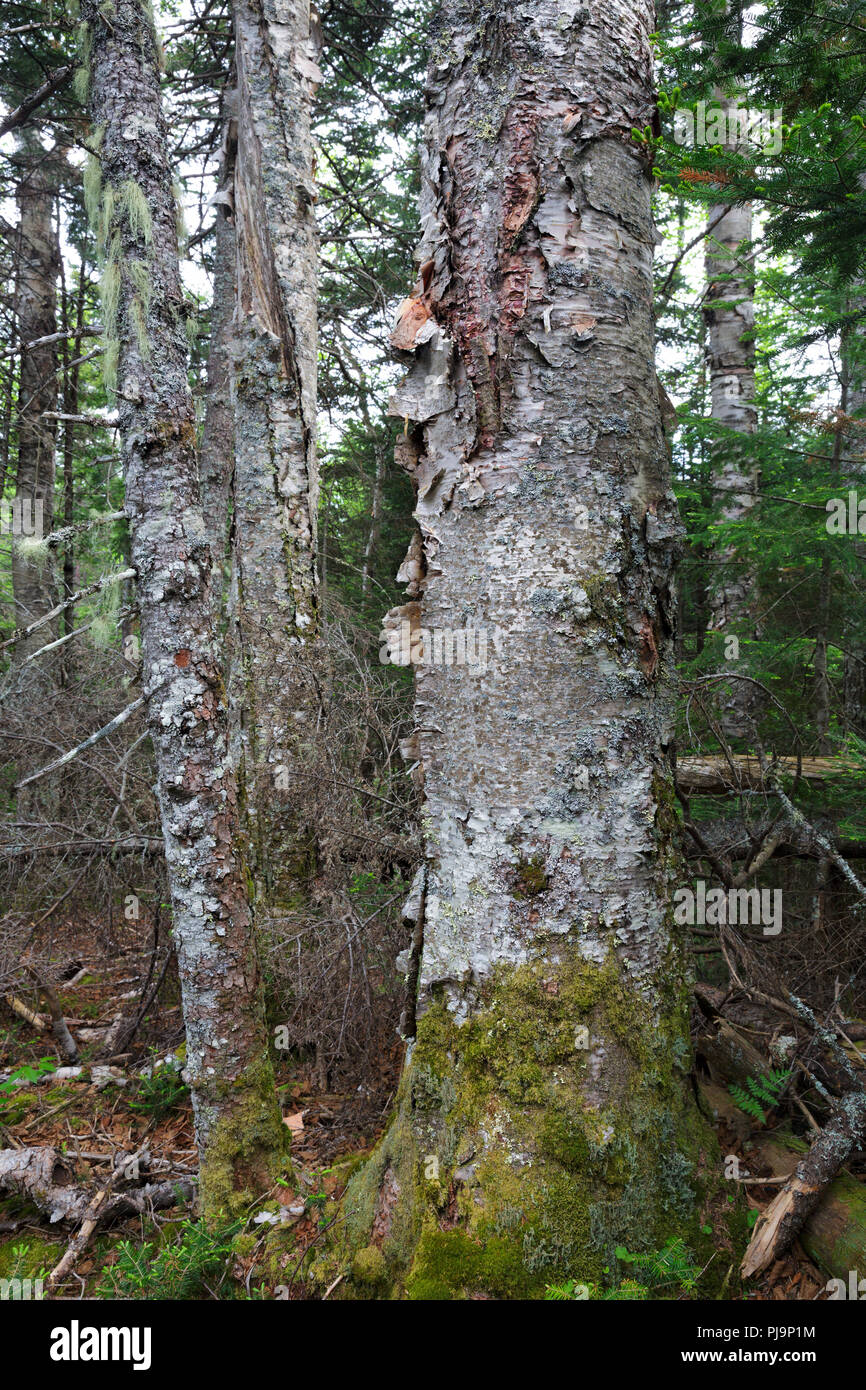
(248, 1147)
(533, 1139)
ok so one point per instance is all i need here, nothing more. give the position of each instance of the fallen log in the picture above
(834, 1235)
(740, 1039)
(45, 1177)
(789, 1211)
(20, 1008)
(97, 1074)
(127, 1167)
(728, 1054)
(718, 775)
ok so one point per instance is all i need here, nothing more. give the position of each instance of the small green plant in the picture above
(190, 1266)
(629, 1291)
(673, 1264)
(23, 1265)
(765, 1090)
(160, 1092)
(26, 1072)
(561, 1293)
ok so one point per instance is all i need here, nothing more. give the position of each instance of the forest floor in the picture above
(90, 1119)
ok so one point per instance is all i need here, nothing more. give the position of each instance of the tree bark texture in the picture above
(274, 484)
(238, 1127)
(216, 461)
(543, 1116)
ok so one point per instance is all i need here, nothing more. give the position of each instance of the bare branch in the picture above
(108, 728)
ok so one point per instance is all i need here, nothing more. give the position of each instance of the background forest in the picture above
(760, 304)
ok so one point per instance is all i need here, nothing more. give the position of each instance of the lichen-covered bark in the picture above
(237, 1120)
(274, 485)
(33, 579)
(544, 1114)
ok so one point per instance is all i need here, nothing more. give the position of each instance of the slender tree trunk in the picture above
(852, 440)
(375, 530)
(274, 484)
(821, 677)
(544, 1115)
(238, 1128)
(217, 443)
(71, 375)
(33, 582)
(730, 318)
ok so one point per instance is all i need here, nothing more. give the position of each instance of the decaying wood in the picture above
(792, 1207)
(44, 1177)
(742, 1037)
(22, 633)
(109, 728)
(728, 1053)
(834, 1234)
(53, 83)
(736, 840)
(128, 1167)
(97, 1075)
(720, 775)
(20, 1008)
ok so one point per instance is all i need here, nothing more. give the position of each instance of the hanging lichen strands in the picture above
(238, 1129)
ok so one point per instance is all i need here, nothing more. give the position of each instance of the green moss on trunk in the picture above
(553, 1125)
(247, 1149)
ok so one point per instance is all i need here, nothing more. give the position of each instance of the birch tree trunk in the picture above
(238, 1126)
(544, 1114)
(853, 445)
(33, 578)
(730, 318)
(275, 483)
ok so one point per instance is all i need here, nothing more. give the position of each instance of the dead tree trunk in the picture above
(806, 1186)
(238, 1127)
(822, 694)
(544, 1115)
(33, 582)
(274, 485)
(216, 464)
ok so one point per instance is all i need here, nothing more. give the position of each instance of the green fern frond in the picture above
(764, 1090)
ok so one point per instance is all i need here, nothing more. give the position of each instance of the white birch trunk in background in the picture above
(31, 515)
(854, 472)
(729, 314)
